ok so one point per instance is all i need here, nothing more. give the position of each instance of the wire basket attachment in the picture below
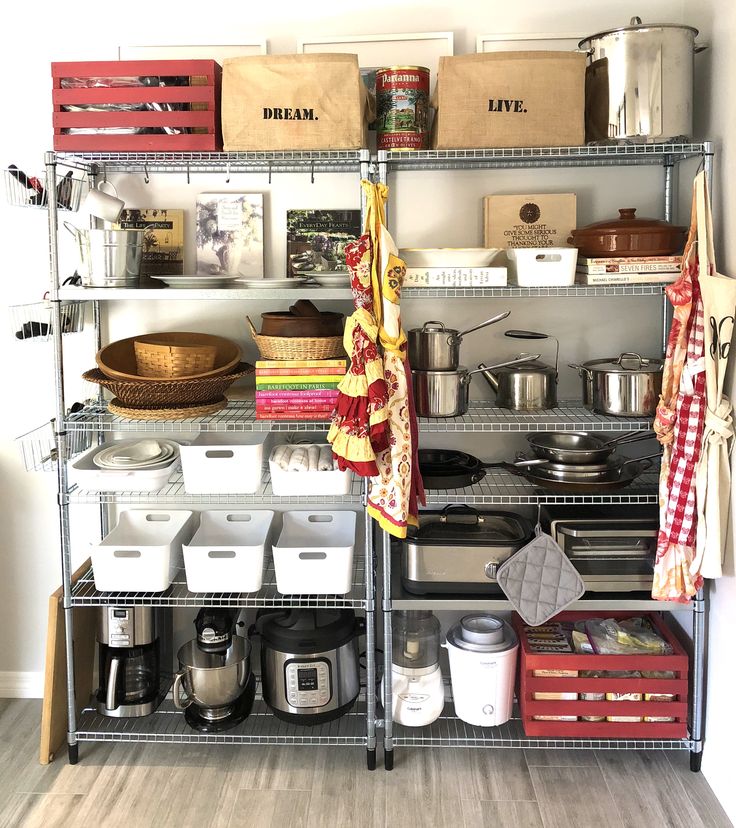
(38, 447)
(33, 321)
(22, 190)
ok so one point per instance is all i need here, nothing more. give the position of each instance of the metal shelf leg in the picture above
(370, 634)
(697, 715)
(388, 724)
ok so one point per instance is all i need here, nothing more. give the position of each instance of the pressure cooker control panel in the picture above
(308, 683)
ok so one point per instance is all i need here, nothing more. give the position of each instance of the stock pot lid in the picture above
(636, 27)
(474, 529)
(626, 363)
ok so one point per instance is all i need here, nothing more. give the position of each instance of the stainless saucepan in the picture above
(433, 347)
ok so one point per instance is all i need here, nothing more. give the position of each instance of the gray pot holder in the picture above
(539, 580)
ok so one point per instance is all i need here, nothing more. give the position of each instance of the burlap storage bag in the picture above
(295, 102)
(510, 99)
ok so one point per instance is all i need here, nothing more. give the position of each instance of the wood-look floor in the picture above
(140, 785)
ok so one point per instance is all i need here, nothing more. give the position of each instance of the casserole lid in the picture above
(465, 526)
(627, 222)
(626, 363)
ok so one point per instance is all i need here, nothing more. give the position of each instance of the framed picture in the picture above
(193, 52)
(528, 42)
(378, 50)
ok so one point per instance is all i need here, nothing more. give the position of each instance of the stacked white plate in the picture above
(139, 465)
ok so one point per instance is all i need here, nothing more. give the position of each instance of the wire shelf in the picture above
(32, 322)
(482, 416)
(296, 161)
(568, 416)
(449, 731)
(168, 725)
(174, 492)
(515, 292)
(84, 592)
(500, 487)
(585, 156)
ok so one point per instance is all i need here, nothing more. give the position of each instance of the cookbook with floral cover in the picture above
(230, 234)
(316, 239)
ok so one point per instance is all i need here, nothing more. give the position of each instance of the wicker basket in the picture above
(171, 393)
(297, 347)
(186, 412)
(159, 360)
(119, 359)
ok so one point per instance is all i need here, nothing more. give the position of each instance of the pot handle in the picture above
(517, 361)
(497, 318)
(581, 369)
(179, 702)
(434, 322)
(632, 355)
(700, 47)
(74, 231)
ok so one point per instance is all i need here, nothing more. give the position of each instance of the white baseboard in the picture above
(20, 685)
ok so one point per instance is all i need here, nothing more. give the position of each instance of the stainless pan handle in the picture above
(180, 702)
(581, 369)
(457, 337)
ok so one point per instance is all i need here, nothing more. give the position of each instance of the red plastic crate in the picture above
(529, 684)
(205, 117)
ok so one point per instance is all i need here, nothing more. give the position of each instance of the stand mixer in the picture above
(214, 673)
(418, 694)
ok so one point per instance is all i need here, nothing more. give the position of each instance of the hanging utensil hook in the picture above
(189, 180)
(227, 173)
(270, 170)
(312, 171)
(146, 177)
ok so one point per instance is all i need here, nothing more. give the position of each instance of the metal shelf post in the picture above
(388, 725)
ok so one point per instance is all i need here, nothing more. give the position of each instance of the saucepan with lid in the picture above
(433, 347)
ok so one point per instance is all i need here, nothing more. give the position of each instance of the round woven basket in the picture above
(172, 393)
(185, 412)
(120, 359)
(297, 347)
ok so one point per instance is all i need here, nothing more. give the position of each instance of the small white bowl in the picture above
(448, 256)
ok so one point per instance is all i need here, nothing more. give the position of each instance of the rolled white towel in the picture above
(326, 463)
(299, 460)
(280, 456)
(313, 455)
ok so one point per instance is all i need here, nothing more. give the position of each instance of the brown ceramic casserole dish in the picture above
(629, 236)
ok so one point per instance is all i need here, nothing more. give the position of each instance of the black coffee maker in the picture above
(135, 660)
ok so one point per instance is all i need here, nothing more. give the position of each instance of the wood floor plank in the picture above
(645, 790)
(698, 790)
(420, 769)
(38, 810)
(429, 808)
(543, 758)
(271, 809)
(574, 797)
(264, 767)
(345, 793)
(495, 774)
(481, 814)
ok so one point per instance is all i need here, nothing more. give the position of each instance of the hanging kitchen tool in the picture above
(433, 347)
(525, 387)
(628, 385)
(579, 446)
(447, 393)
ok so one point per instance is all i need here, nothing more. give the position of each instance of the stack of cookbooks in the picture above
(629, 270)
(303, 389)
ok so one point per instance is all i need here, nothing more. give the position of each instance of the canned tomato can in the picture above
(402, 101)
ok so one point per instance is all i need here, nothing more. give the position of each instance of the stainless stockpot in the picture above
(433, 347)
(639, 83)
(628, 385)
(446, 393)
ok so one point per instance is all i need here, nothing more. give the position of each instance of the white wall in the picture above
(441, 209)
(717, 119)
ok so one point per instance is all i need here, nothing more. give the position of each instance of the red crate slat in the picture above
(208, 139)
(71, 120)
(677, 663)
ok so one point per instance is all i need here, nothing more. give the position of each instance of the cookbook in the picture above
(316, 240)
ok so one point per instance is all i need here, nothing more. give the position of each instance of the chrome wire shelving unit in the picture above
(506, 489)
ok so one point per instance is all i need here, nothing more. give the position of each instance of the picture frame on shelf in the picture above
(528, 42)
(193, 51)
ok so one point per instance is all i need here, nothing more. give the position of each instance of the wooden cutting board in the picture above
(54, 713)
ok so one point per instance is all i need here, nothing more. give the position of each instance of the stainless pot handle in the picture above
(490, 321)
(700, 47)
(482, 370)
(581, 369)
(647, 457)
(433, 322)
(635, 20)
(632, 355)
(179, 703)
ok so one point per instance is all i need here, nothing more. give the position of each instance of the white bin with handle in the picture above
(226, 553)
(542, 266)
(144, 551)
(223, 463)
(314, 553)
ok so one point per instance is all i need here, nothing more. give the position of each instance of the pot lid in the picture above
(482, 633)
(307, 630)
(432, 327)
(637, 26)
(627, 222)
(626, 363)
(474, 529)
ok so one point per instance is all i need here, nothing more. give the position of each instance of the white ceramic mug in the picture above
(102, 205)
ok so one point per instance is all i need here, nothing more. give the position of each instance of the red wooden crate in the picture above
(530, 684)
(207, 95)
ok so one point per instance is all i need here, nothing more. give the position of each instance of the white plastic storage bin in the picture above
(144, 551)
(314, 554)
(226, 553)
(543, 266)
(223, 463)
(285, 483)
(87, 475)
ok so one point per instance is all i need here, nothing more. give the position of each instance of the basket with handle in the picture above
(297, 347)
(167, 360)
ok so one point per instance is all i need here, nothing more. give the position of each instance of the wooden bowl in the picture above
(118, 359)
